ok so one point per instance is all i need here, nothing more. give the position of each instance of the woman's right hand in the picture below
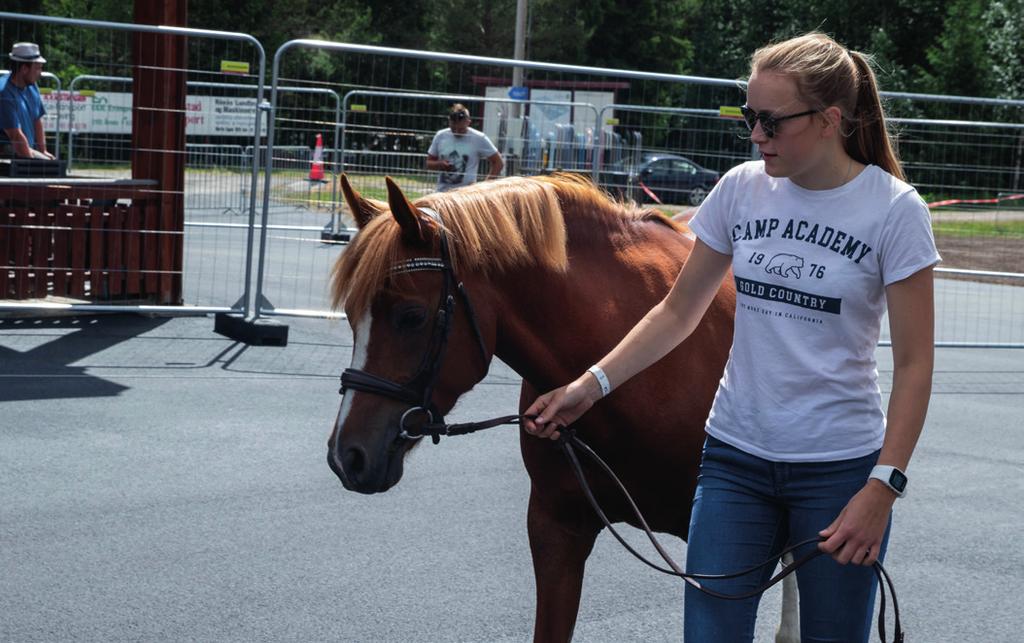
(562, 406)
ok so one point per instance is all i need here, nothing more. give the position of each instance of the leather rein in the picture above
(418, 392)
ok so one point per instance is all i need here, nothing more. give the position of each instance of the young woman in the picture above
(821, 235)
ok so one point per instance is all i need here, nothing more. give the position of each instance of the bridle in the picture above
(419, 390)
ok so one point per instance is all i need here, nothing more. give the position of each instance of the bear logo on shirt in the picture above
(785, 265)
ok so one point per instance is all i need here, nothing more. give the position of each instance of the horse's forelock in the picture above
(364, 267)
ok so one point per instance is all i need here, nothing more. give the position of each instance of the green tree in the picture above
(1004, 28)
(649, 35)
(400, 24)
(560, 30)
(73, 51)
(958, 61)
(473, 27)
(970, 47)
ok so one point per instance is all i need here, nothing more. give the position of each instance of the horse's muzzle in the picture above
(361, 473)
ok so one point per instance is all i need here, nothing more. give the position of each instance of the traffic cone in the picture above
(316, 169)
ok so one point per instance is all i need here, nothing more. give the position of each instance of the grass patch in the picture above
(368, 186)
(1012, 228)
(373, 187)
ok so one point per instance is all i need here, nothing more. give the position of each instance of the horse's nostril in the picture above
(354, 461)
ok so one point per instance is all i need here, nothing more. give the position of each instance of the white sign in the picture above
(90, 112)
(546, 116)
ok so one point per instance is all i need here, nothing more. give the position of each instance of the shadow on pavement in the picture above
(98, 355)
(44, 369)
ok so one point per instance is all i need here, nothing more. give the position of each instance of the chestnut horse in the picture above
(550, 275)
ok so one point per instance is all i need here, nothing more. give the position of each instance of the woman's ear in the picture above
(833, 117)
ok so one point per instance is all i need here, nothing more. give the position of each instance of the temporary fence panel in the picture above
(99, 239)
(218, 175)
(300, 193)
(217, 181)
(389, 134)
(695, 119)
(965, 156)
(670, 156)
(382, 133)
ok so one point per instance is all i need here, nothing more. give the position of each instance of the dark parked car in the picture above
(674, 179)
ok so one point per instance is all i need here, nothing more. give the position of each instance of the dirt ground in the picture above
(982, 253)
(995, 253)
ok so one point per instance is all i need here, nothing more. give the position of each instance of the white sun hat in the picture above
(26, 52)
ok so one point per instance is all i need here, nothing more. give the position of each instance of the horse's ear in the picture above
(408, 217)
(362, 209)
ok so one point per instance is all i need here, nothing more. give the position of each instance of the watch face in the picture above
(898, 480)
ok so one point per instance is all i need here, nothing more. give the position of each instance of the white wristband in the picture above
(602, 379)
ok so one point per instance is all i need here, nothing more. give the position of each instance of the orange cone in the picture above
(316, 169)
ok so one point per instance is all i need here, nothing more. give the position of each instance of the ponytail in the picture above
(827, 74)
(870, 141)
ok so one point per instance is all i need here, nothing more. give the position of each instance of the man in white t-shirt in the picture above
(456, 152)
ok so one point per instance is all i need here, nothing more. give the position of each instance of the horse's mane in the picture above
(492, 226)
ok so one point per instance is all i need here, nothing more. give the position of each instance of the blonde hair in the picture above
(827, 74)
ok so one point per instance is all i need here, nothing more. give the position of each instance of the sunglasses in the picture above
(769, 123)
(458, 116)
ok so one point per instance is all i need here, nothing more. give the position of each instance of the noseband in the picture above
(418, 391)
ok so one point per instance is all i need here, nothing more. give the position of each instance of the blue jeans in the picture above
(745, 510)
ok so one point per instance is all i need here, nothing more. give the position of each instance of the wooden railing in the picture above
(87, 239)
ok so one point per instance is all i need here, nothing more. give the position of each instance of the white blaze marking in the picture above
(361, 339)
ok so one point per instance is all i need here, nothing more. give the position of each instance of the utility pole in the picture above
(519, 52)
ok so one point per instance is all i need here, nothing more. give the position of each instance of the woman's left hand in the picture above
(856, 535)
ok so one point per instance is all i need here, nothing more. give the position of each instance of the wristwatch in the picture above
(891, 477)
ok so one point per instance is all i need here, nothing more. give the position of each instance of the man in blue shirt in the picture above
(21, 108)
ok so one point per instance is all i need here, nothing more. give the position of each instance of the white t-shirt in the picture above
(464, 152)
(811, 267)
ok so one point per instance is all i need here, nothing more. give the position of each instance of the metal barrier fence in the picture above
(955, 149)
(215, 174)
(59, 121)
(284, 285)
(99, 241)
(217, 178)
(671, 147)
(378, 125)
(215, 182)
(964, 155)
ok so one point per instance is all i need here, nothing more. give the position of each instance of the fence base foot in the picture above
(340, 236)
(256, 332)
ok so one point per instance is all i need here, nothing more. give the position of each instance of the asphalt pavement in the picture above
(159, 482)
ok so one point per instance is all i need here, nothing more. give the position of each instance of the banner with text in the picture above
(89, 112)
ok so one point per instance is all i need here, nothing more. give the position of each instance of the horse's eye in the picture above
(410, 318)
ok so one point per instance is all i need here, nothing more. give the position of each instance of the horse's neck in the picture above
(553, 326)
